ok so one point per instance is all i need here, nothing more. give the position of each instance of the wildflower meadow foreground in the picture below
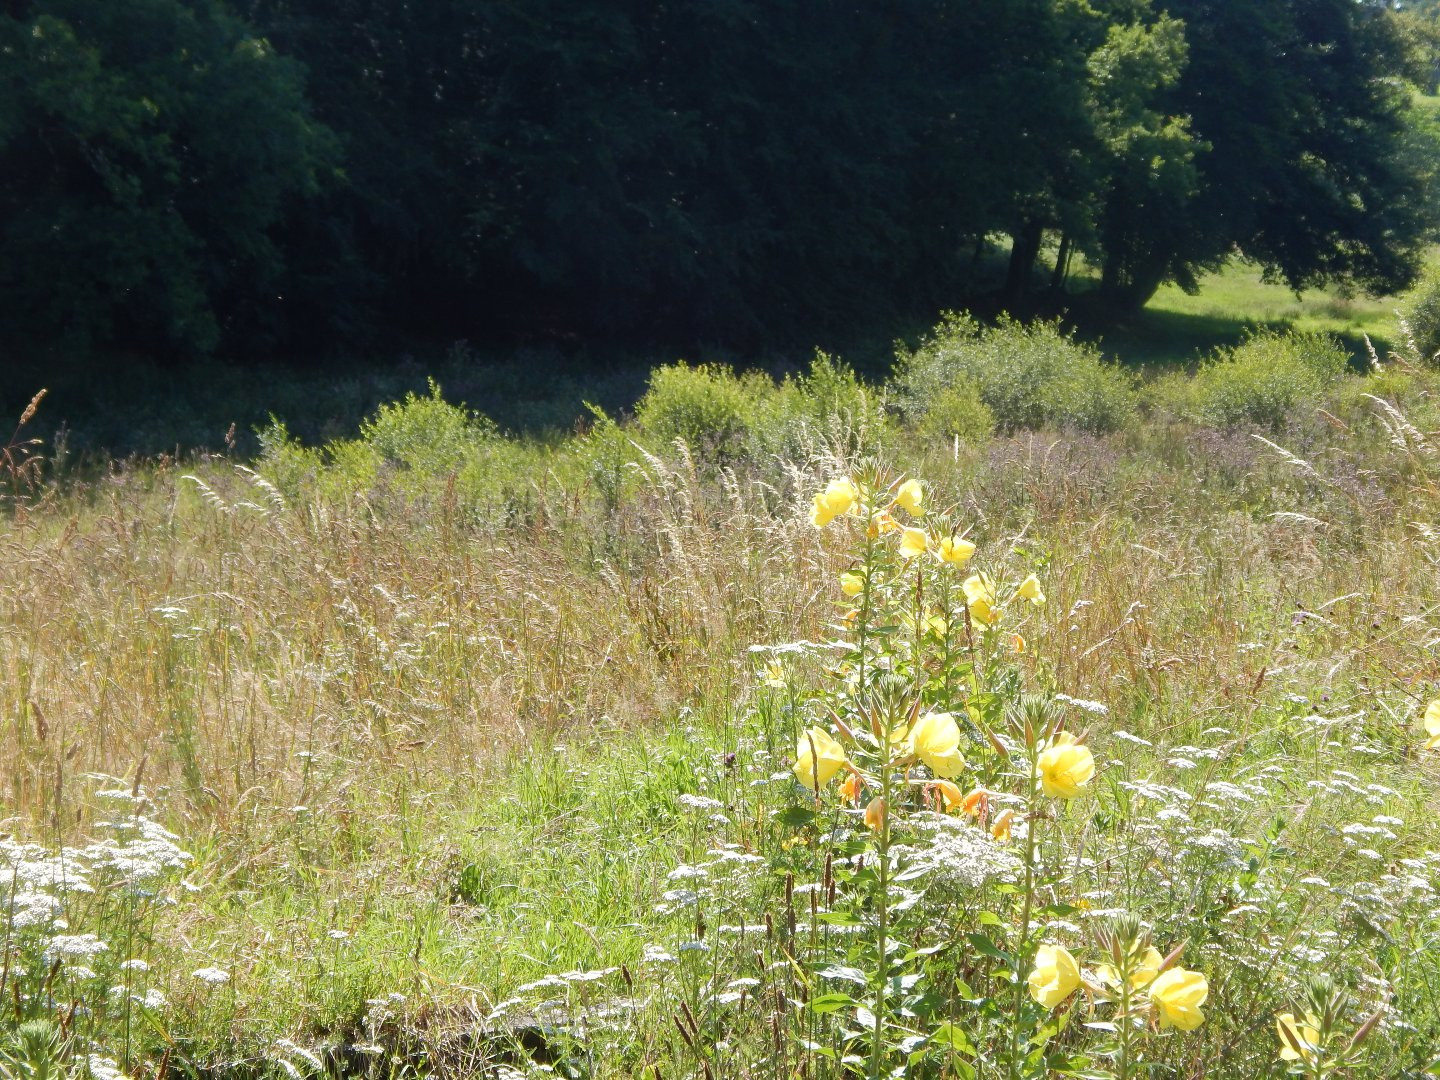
(841, 748)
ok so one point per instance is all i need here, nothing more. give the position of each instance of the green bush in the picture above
(1265, 380)
(958, 412)
(1028, 376)
(829, 405)
(427, 434)
(708, 406)
(1420, 318)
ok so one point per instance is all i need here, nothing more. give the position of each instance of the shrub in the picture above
(1028, 376)
(1265, 379)
(428, 434)
(827, 405)
(708, 406)
(959, 412)
(1420, 318)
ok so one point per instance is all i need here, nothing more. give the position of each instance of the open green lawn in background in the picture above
(1174, 329)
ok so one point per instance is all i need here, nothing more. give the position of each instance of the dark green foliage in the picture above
(148, 151)
(1299, 106)
(188, 175)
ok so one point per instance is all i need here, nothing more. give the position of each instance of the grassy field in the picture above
(1176, 328)
(435, 752)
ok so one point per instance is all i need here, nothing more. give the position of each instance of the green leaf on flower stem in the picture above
(989, 918)
(928, 950)
(815, 1048)
(985, 947)
(795, 817)
(910, 1044)
(842, 917)
(901, 984)
(824, 1004)
(952, 1038)
(846, 974)
(1057, 910)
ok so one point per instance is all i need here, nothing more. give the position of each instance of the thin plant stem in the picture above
(882, 925)
(1021, 952)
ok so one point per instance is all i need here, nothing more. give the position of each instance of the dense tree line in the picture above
(263, 174)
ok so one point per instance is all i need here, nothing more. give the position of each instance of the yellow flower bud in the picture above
(818, 757)
(1178, 995)
(1299, 1039)
(1065, 767)
(852, 584)
(1056, 975)
(875, 814)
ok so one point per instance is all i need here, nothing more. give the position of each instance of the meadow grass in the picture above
(478, 774)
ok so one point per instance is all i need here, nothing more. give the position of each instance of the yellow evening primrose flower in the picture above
(975, 802)
(955, 550)
(852, 584)
(1178, 995)
(1144, 973)
(980, 599)
(1030, 590)
(816, 765)
(983, 612)
(1065, 766)
(909, 498)
(1056, 975)
(1432, 725)
(979, 587)
(1299, 1039)
(935, 740)
(913, 542)
(839, 497)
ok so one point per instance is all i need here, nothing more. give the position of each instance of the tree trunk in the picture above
(1128, 283)
(1023, 252)
(1062, 265)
